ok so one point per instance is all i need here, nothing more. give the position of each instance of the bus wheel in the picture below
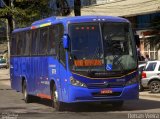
(59, 106)
(141, 88)
(26, 96)
(118, 104)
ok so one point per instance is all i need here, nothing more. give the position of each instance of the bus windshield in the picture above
(106, 46)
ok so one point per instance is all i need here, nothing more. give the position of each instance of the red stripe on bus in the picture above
(44, 96)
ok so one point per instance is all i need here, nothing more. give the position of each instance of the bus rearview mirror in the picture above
(65, 42)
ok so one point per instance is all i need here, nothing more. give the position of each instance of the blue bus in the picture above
(75, 59)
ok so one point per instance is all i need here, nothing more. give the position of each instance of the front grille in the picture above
(110, 85)
(106, 95)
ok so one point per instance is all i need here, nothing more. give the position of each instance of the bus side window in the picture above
(13, 45)
(27, 43)
(35, 37)
(23, 40)
(52, 41)
(19, 44)
(43, 41)
(57, 38)
(62, 54)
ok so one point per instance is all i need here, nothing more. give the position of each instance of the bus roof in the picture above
(21, 29)
(94, 18)
(76, 19)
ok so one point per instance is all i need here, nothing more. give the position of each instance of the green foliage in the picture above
(25, 12)
(2, 30)
(30, 11)
(2, 23)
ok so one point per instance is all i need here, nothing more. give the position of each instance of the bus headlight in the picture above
(76, 82)
(132, 81)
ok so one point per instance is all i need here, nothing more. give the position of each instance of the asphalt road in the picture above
(12, 106)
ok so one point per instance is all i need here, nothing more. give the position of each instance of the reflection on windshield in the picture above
(85, 41)
(113, 47)
(118, 46)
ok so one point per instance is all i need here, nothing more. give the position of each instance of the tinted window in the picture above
(35, 37)
(27, 43)
(159, 68)
(85, 37)
(13, 45)
(62, 50)
(55, 37)
(58, 35)
(62, 55)
(19, 44)
(141, 68)
(43, 41)
(23, 39)
(52, 41)
(151, 66)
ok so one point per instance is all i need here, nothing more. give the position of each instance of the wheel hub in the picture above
(55, 96)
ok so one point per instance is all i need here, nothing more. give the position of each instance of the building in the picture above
(141, 13)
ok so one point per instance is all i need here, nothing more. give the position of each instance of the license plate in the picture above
(106, 91)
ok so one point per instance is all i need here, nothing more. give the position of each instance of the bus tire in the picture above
(59, 106)
(26, 96)
(118, 104)
(141, 88)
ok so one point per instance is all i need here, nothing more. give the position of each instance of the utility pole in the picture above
(77, 7)
(8, 40)
(10, 25)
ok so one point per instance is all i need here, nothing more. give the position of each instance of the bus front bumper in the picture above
(80, 94)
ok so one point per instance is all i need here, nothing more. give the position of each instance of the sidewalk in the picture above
(4, 74)
(149, 94)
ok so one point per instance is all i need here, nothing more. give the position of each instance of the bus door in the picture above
(43, 61)
(17, 72)
(63, 72)
(27, 72)
(33, 74)
(14, 73)
(43, 75)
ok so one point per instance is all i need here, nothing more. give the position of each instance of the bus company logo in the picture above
(53, 71)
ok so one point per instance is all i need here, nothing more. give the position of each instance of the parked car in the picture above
(3, 63)
(151, 76)
(141, 68)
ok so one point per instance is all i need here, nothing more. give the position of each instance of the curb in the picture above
(150, 95)
(4, 79)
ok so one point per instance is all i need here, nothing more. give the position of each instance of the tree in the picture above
(31, 10)
(63, 7)
(77, 7)
(25, 12)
